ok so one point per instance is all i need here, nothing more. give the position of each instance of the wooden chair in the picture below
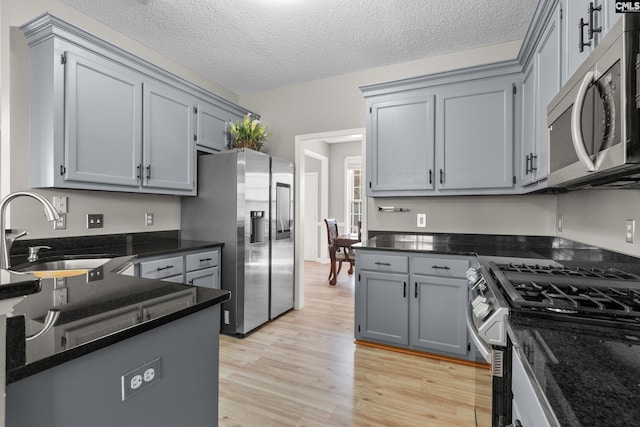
(341, 254)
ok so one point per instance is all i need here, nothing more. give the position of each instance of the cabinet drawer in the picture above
(444, 267)
(161, 268)
(202, 260)
(207, 278)
(383, 262)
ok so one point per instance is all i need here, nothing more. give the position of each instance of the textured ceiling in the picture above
(254, 45)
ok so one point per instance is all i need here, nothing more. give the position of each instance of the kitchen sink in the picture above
(63, 266)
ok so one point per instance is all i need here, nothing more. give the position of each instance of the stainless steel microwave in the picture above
(594, 121)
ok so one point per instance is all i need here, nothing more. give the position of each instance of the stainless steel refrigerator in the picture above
(242, 203)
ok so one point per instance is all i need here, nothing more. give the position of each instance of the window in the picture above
(353, 202)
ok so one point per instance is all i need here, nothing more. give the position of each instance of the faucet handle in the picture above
(12, 235)
(33, 252)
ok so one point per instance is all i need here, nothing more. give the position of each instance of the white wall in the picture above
(123, 212)
(598, 217)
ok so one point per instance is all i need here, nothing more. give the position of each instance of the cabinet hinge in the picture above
(63, 342)
(63, 58)
(369, 184)
(195, 110)
(358, 329)
(561, 10)
(358, 277)
(370, 110)
(468, 346)
(514, 179)
(63, 170)
(515, 89)
(195, 137)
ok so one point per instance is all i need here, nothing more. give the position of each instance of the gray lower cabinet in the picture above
(412, 301)
(384, 307)
(197, 268)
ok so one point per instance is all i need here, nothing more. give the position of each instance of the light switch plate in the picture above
(421, 220)
(95, 220)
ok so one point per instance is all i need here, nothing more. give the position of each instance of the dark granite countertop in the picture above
(589, 374)
(89, 299)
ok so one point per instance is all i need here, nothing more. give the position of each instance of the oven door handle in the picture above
(576, 128)
(484, 349)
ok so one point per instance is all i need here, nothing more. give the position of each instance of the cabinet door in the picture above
(207, 278)
(401, 150)
(103, 121)
(474, 135)
(548, 82)
(609, 17)
(384, 307)
(212, 125)
(527, 175)
(168, 143)
(574, 11)
(438, 315)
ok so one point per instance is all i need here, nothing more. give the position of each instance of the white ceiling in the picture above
(253, 45)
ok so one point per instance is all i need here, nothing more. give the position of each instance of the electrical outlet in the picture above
(60, 203)
(421, 220)
(631, 230)
(138, 379)
(148, 219)
(560, 222)
(95, 220)
(60, 224)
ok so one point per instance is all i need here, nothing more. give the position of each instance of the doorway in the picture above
(316, 146)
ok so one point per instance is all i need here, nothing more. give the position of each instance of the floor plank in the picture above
(304, 369)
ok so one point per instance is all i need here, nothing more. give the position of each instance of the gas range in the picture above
(572, 294)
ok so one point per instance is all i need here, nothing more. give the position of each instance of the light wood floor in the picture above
(304, 369)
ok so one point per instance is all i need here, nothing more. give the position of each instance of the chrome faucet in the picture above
(10, 236)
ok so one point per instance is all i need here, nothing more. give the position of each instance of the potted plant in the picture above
(248, 133)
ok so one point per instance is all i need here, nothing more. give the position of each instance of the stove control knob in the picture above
(472, 275)
(478, 300)
(481, 310)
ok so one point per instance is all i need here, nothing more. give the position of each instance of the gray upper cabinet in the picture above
(443, 134)
(542, 80)
(475, 124)
(402, 145)
(168, 142)
(104, 119)
(103, 107)
(585, 23)
(213, 126)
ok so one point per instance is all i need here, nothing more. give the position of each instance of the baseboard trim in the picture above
(423, 354)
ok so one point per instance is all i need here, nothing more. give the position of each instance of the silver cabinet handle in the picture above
(383, 263)
(165, 268)
(576, 129)
(441, 267)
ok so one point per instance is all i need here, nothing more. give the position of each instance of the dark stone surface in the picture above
(590, 374)
(94, 299)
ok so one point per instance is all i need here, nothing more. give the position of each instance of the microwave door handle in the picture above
(576, 131)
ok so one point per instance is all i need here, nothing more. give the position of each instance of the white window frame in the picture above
(352, 163)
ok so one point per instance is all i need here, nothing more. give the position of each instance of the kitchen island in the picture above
(122, 350)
